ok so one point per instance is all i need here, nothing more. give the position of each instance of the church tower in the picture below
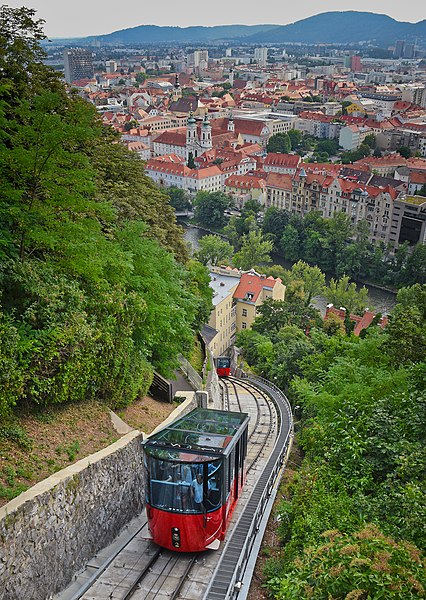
(231, 77)
(231, 124)
(206, 135)
(192, 144)
(177, 90)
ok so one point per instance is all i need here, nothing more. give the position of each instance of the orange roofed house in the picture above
(236, 298)
(361, 322)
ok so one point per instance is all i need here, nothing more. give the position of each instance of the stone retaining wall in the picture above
(48, 533)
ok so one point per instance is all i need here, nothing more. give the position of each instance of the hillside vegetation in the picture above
(96, 290)
(351, 522)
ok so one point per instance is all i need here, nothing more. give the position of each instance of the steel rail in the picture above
(229, 575)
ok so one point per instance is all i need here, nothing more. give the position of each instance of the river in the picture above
(380, 300)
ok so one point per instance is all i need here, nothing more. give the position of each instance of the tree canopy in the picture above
(210, 209)
(280, 142)
(361, 409)
(94, 292)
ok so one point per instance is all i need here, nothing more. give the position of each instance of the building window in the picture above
(244, 312)
(243, 325)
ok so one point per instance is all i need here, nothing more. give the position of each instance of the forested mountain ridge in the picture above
(344, 27)
(159, 34)
(330, 27)
(96, 289)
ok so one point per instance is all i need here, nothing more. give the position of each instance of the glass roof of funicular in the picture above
(202, 430)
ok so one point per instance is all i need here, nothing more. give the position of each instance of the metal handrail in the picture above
(271, 482)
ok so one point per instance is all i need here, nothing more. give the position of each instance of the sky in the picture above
(80, 18)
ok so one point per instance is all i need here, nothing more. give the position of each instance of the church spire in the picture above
(177, 90)
(206, 134)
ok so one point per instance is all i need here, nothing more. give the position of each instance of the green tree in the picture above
(313, 279)
(343, 293)
(232, 231)
(198, 282)
(327, 146)
(179, 198)
(280, 142)
(83, 279)
(273, 224)
(254, 250)
(406, 340)
(290, 243)
(364, 564)
(414, 269)
(404, 151)
(210, 209)
(370, 140)
(22, 69)
(191, 162)
(295, 138)
(214, 250)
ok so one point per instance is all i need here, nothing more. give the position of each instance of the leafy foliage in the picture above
(254, 250)
(93, 291)
(280, 142)
(337, 248)
(363, 565)
(362, 410)
(344, 293)
(210, 208)
(214, 250)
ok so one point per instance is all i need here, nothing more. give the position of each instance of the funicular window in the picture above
(223, 362)
(186, 487)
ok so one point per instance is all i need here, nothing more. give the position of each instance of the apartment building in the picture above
(237, 297)
(352, 136)
(250, 294)
(224, 282)
(78, 64)
(327, 194)
(408, 221)
(171, 170)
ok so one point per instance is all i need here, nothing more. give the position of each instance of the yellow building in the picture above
(236, 298)
(224, 282)
(251, 292)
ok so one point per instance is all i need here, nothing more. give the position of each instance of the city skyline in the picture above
(101, 18)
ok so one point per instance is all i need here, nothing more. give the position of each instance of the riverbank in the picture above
(381, 299)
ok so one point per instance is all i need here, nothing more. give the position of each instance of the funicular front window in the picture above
(189, 487)
(223, 362)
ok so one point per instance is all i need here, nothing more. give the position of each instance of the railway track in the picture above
(140, 570)
(262, 429)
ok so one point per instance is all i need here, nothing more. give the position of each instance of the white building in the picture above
(200, 58)
(352, 136)
(261, 56)
(171, 170)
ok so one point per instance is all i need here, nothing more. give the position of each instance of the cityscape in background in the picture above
(202, 118)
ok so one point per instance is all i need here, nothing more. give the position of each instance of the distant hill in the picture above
(330, 27)
(154, 33)
(344, 27)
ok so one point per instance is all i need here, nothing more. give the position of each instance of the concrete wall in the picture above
(50, 531)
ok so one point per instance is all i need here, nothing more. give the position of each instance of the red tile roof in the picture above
(251, 286)
(418, 177)
(172, 138)
(361, 322)
(245, 182)
(275, 159)
(279, 181)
